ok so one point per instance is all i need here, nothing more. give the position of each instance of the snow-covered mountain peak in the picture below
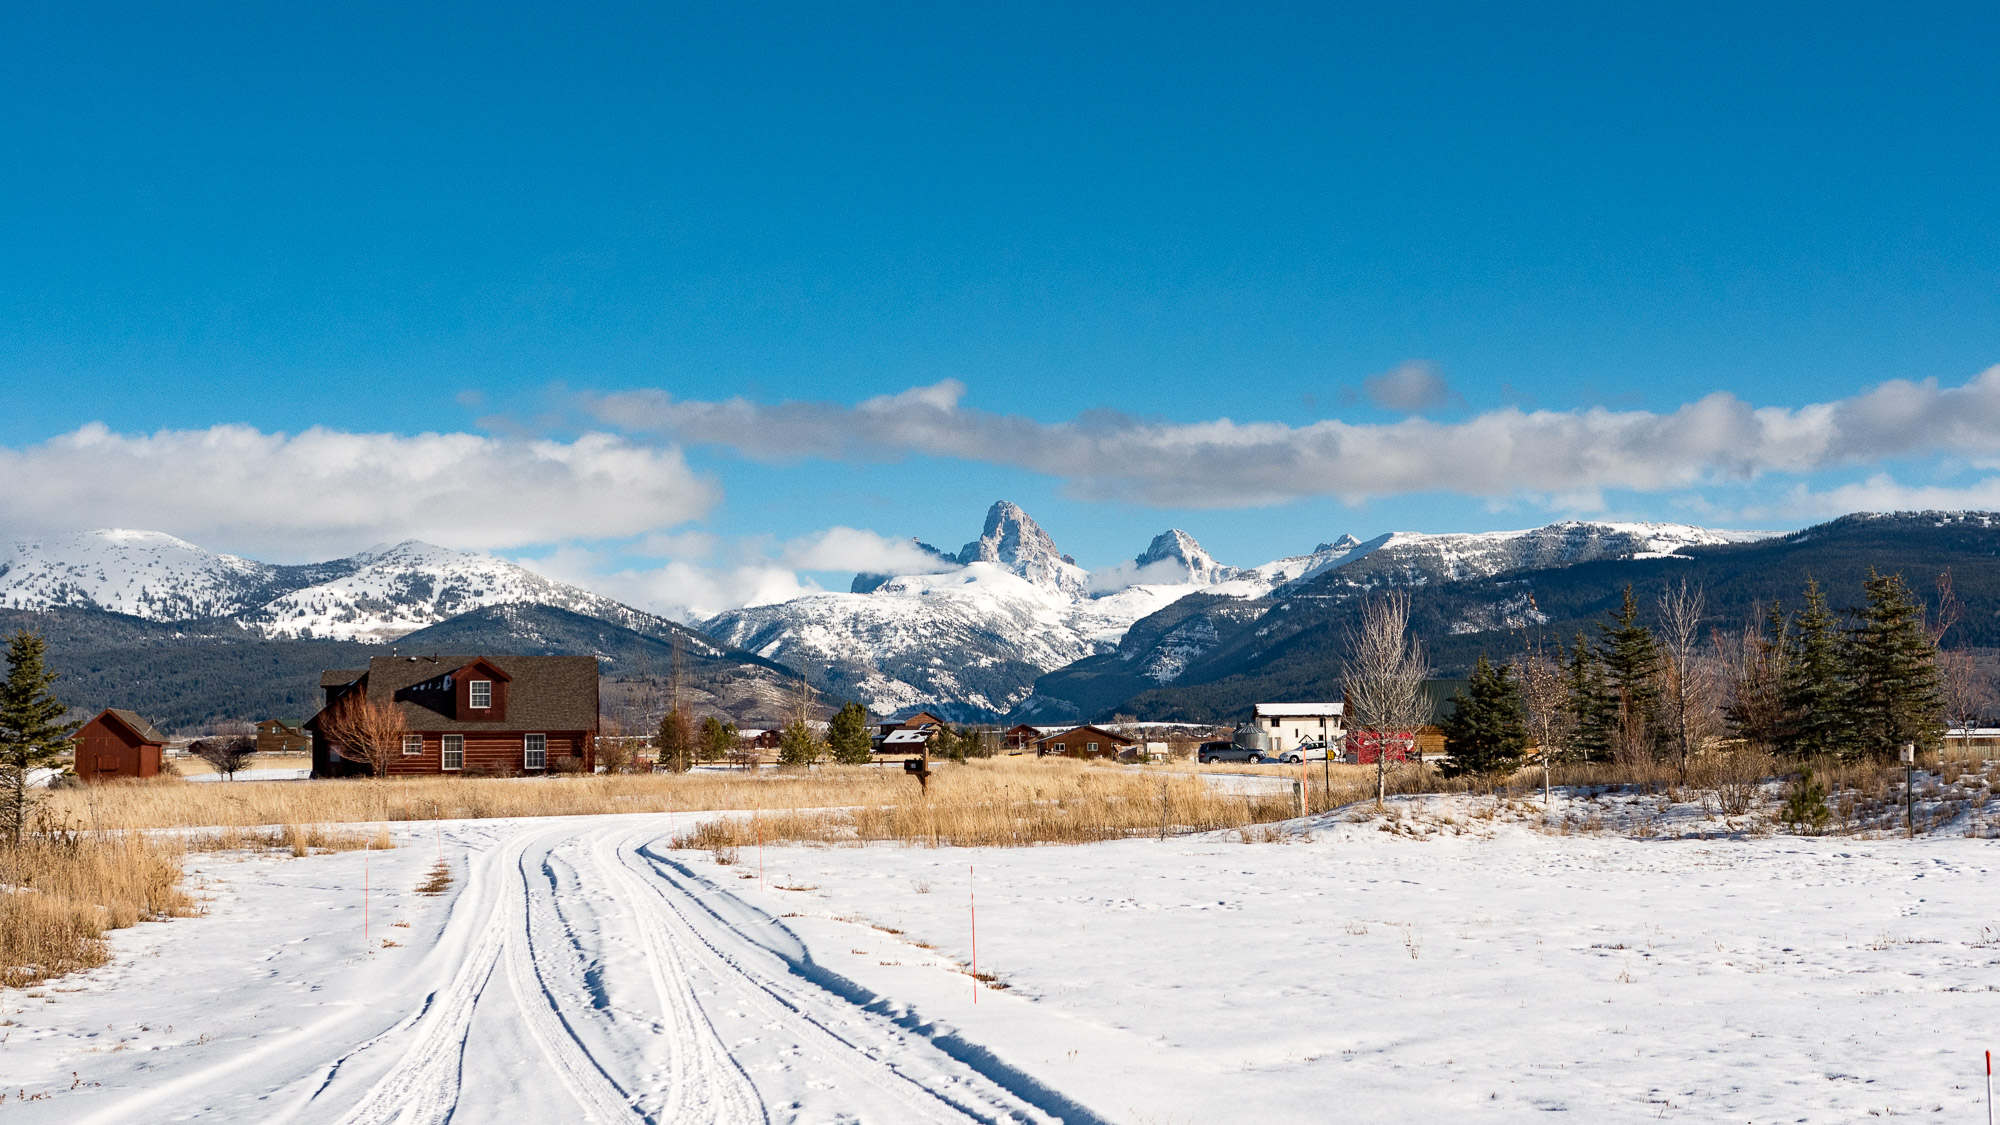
(1344, 543)
(142, 573)
(1015, 541)
(1184, 559)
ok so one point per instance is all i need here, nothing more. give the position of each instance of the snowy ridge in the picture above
(976, 637)
(377, 595)
(400, 589)
(142, 573)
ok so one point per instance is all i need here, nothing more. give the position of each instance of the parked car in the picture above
(1304, 752)
(1226, 751)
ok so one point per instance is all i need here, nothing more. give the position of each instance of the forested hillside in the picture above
(1294, 648)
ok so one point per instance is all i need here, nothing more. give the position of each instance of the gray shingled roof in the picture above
(341, 678)
(141, 727)
(547, 693)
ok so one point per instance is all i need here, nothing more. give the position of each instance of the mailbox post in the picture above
(920, 768)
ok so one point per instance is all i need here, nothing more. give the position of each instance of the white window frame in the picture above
(476, 688)
(454, 752)
(535, 751)
(1093, 747)
(413, 745)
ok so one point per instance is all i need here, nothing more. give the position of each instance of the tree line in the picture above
(1815, 682)
(680, 743)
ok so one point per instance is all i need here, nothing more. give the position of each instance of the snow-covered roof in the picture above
(1296, 710)
(906, 738)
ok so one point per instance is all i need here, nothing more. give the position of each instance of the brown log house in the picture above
(497, 715)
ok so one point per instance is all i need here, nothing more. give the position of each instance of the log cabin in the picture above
(497, 715)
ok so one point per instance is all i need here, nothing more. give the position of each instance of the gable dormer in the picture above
(479, 692)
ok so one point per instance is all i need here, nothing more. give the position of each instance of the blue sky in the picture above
(481, 220)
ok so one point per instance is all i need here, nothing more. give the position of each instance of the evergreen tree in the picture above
(32, 733)
(1593, 717)
(1814, 689)
(1487, 730)
(675, 742)
(847, 737)
(1896, 695)
(798, 745)
(718, 738)
(1631, 659)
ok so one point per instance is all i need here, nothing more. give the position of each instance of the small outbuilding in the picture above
(118, 743)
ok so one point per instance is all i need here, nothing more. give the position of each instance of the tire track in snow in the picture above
(704, 1080)
(422, 1088)
(658, 899)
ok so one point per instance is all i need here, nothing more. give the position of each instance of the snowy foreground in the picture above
(579, 970)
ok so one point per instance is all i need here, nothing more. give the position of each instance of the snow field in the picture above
(573, 974)
(580, 970)
(1490, 977)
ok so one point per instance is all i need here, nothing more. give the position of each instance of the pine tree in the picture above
(1593, 717)
(798, 745)
(1896, 695)
(1814, 689)
(1487, 730)
(675, 742)
(1631, 659)
(847, 736)
(718, 738)
(32, 733)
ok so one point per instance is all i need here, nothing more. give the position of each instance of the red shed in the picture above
(118, 743)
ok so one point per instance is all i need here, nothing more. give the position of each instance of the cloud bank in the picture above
(322, 492)
(1573, 454)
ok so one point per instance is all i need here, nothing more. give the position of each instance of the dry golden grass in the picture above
(63, 890)
(1004, 803)
(169, 804)
(298, 839)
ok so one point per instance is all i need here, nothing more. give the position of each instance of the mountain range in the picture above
(188, 637)
(1008, 626)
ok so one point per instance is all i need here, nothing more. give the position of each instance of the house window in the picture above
(454, 751)
(413, 745)
(536, 752)
(482, 694)
(1061, 749)
(1276, 723)
(1093, 747)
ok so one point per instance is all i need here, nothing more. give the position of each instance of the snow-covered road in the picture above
(579, 974)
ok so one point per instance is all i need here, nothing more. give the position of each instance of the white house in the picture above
(1290, 724)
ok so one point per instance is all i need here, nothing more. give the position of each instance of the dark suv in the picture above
(1227, 751)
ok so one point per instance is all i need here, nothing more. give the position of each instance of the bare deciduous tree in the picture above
(1688, 695)
(1551, 719)
(1385, 673)
(369, 731)
(1967, 692)
(226, 752)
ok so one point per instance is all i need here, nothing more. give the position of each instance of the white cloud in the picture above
(1224, 463)
(1881, 493)
(684, 589)
(703, 574)
(1414, 385)
(323, 492)
(847, 548)
(1128, 573)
